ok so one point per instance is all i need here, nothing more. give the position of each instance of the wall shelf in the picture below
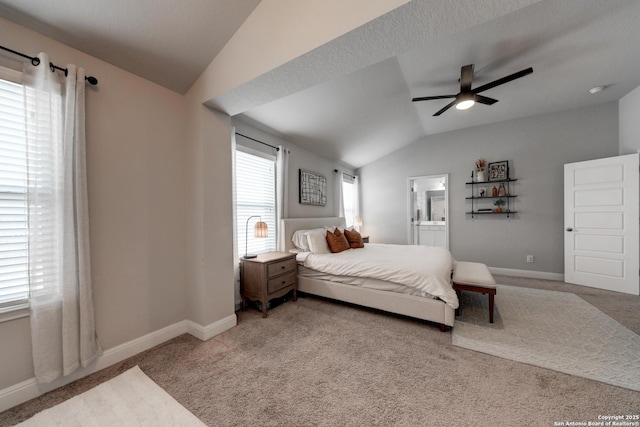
(477, 200)
(492, 182)
(490, 213)
(491, 197)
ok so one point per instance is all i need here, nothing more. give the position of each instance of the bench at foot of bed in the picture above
(474, 277)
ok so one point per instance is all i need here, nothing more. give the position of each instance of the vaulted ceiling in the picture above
(168, 42)
(572, 45)
(357, 117)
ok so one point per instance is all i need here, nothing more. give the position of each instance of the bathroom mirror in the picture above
(437, 208)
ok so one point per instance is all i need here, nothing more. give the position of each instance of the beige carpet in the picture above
(319, 363)
(130, 399)
(555, 330)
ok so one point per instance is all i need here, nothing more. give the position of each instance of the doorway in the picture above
(428, 219)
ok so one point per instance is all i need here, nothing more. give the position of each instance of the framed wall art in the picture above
(313, 188)
(499, 171)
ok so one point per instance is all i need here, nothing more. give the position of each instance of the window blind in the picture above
(349, 199)
(14, 267)
(255, 195)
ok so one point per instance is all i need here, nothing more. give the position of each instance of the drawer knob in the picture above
(282, 267)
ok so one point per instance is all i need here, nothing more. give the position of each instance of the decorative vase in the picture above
(502, 191)
(498, 209)
(480, 176)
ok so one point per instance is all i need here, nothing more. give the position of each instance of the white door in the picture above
(601, 240)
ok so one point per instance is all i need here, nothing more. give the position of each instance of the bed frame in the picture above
(433, 310)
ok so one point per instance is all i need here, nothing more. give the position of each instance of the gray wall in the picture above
(298, 159)
(629, 110)
(536, 148)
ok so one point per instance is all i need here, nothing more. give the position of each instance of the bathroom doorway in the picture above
(428, 219)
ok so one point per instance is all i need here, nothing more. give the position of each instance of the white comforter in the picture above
(422, 267)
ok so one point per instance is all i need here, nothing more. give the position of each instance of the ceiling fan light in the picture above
(465, 105)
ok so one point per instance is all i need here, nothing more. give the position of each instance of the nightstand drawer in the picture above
(281, 267)
(281, 282)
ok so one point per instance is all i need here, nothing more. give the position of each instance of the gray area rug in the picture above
(550, 329)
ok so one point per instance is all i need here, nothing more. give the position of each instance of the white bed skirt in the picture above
(433, 310)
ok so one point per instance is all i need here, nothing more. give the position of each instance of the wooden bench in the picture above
(474, 277)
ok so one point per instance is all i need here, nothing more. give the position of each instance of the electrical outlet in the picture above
(529, 258)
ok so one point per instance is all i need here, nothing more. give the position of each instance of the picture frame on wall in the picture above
(499, 171)
(313, 188)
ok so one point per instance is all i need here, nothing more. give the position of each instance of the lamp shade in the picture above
(261, 229)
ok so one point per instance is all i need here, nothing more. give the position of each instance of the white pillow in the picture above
(317, 240)
(299, 240)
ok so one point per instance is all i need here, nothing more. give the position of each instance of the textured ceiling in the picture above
(572, 45)
(166, 41)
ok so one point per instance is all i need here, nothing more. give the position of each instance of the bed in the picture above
(430, 308)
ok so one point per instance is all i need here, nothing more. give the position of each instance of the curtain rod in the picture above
(263, 143)
(35, 61)
(344, 173)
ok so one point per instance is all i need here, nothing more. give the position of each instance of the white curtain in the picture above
(337, 191)
(282, 192)
(62, 315)
(237, 297)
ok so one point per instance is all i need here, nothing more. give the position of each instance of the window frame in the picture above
(21, 307)
(351, 180)
(240, 229)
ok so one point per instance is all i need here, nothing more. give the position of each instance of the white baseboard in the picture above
(29, 389)
(205, 333)
(527, 273)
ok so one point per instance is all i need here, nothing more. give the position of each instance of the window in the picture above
(14, 262)
(255, 196)
(350, 198)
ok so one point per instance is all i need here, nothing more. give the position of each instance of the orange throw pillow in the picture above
(354, 238)
(336, 241)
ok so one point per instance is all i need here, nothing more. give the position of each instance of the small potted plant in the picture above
(499, 203)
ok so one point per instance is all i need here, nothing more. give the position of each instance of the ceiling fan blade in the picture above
(466, 77)
(445, 108)
(428, 98)
(484, 100)
(503, 80)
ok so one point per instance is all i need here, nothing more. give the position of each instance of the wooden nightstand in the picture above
(269, 275)
(365, 239)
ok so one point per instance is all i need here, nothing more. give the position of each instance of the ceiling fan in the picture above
(467, 96)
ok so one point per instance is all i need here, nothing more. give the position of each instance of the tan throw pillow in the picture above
(354, 238)
(336, 241)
